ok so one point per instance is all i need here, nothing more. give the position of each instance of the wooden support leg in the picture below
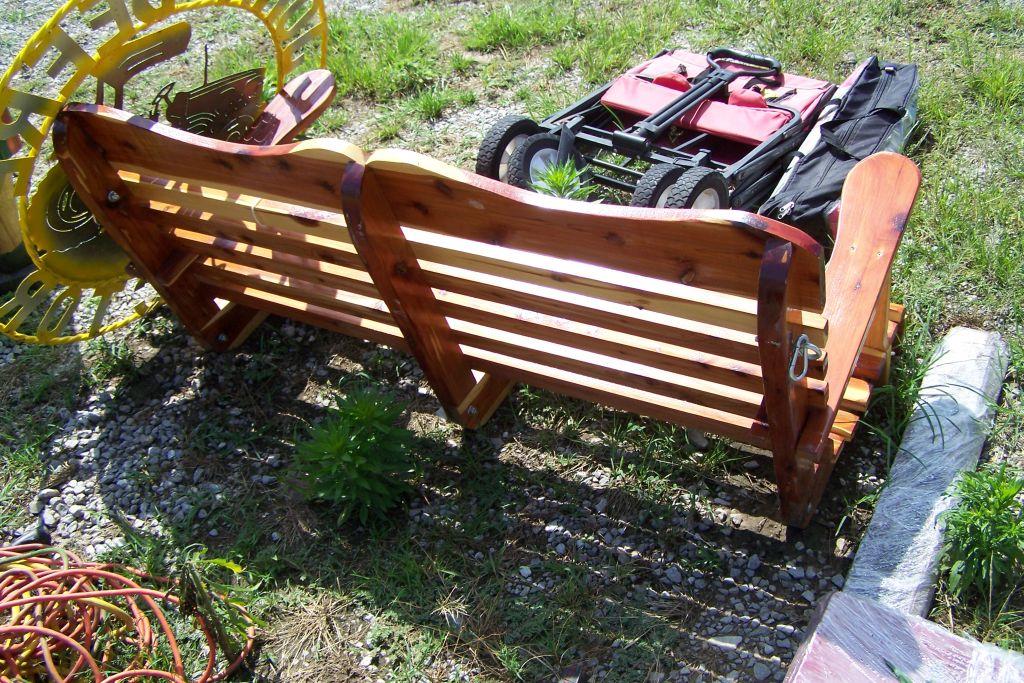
(785, 401)
(390, 260)
(484, 399)
(231, 326)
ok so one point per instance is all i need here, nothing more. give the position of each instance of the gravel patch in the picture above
(736, 595)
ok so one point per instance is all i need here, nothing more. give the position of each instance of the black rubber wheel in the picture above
(653, 186)
(534, 153)
(698, 188)
(501, 140)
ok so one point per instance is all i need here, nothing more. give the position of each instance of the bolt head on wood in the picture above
(113, 197)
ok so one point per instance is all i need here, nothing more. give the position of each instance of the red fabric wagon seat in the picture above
(745, 118)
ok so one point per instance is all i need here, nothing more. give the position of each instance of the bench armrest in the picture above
(876, 202)
(294, 109)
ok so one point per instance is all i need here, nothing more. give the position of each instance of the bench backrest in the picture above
(682, 315)
(652, 311)
(210, 222)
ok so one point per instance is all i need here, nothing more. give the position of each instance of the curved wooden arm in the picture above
(876, 202)
(299, 104)
(877, 198)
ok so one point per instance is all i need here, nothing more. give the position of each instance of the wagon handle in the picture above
(772, 67)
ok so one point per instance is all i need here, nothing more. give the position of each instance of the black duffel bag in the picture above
(876, 114)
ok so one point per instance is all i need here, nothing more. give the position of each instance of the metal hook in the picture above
(807, 351)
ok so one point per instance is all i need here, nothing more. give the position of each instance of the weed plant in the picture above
(563, 180)
(357, 459)
(984, 549)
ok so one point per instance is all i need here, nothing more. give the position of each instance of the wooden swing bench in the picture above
(704, 319)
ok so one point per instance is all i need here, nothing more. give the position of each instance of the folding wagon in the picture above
(680, 130)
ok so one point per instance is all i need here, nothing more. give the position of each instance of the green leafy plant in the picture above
(357, 458)
(984, 549)
(563, 180)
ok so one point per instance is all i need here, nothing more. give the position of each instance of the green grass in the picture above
(430, 103)
(524, 25)
(383, 55)
(40, 385)
(109, 358)
(20, 476)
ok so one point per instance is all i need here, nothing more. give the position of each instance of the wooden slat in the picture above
(339, 277)
(870, 364)
(589, 364)
(717, 251)
(855, 400)
(700, 306)
(289, 218)
(334, 253)
(306, 292)
(318, 316)
(621, 397)
(591, 311)
(625, 346)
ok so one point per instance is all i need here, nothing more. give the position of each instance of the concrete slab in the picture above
(897, 562)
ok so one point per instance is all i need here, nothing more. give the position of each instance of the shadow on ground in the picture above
(534, 545)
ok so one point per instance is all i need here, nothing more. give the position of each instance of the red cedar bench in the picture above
(689, 317)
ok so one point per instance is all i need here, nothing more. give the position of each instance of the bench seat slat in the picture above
(626, 346)
(589, 364)
(700, 306)
(306, 292)
(339, 277)
(335, 253)
(590, 310)
(734, 427)
(292, 218)
(337, 321)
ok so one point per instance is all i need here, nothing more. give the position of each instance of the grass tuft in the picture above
(382, 55)
(999, 83)
(523, 25)
(431, 103)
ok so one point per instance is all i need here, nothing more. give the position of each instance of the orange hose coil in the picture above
(62, 616)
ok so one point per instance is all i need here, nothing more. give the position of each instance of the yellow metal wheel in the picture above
(82, 284)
